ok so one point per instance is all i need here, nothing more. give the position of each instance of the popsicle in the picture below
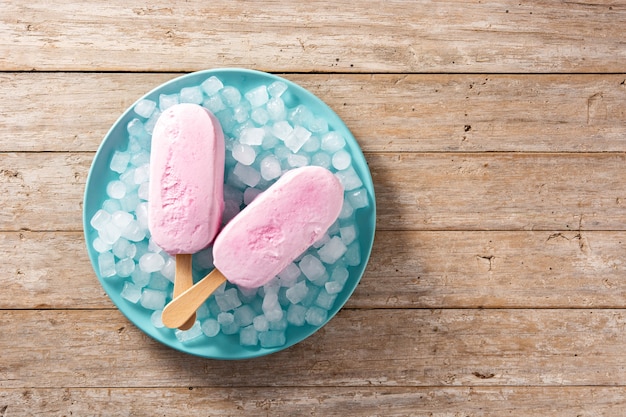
(186, 196)
(272, 231)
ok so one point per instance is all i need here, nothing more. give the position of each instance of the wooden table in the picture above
(496, 137)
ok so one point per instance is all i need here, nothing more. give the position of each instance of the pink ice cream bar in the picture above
(272, 231)
(186, 197)
(278, 226)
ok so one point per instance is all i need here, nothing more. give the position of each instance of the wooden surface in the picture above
(496, 137)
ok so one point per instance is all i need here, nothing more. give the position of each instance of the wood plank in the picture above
(499, 191)
(407, 269)
(412, 113)
(488, 347)
(430, 191)
(318, 401)
(398, 36)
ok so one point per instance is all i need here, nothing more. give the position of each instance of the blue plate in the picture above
(222, 346)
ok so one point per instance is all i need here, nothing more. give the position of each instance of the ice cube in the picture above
(140, 278)
(257, 96)
(358, 198)
(332, 142)
(214, 103)
(271, 307)
(229, 300)
(321, 159)
(131, 292)
(332, 250)
(106, 264)
(341, 160)
(252, 136)
(247, 174)
(191, 95)
(248, 336)
(231, 96)
(260, 116)
(241, 112)
(297, 161)
(325, 300)
(151, 262)
(301, 115)
(121, 219)
(149, 125)
(100, 219)
(159, 282)
(277, 88)
(119, 161)
(311, 267)
(244, 154)
(143, 192)
(337, 280)
(318, 125)
(133, 231)
(109, 234)
(296, 293)
(272, 338)
(152, 299)
(296, 314)
(212, 85)
(297, 138)
(346, 210)
(288, 276)
(111, 205)
(100, 246)
(282, 130)
(270, 168)
(348, 234)
(227, 323)
(312, 145)
(316, 316)
(184, 336)
(156, 319)
(210, 327)
(353, 254)
(168, 100)
(276, 109)
(260, 323)
(244, 315)
(141, 174)
(144, 107)
(169, 269)
(116, 189)
(349, 179)
(280, 324)
(125, 267)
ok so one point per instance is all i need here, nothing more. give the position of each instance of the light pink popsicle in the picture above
(272, 231)
(186, 179)
(278, 226)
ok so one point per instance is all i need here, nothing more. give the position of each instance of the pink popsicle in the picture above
(186, 186)
(186, 179)
(276, 228)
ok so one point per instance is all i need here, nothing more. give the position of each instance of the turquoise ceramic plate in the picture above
(221, 346)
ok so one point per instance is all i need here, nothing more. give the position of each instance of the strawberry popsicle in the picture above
(186, 185)
(276, 228)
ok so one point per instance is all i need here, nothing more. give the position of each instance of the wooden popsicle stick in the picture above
(183, 280)
(178, 311)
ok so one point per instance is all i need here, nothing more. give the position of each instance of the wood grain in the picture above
(44, 191)
(64, 112)
(418, 347)
(408, 269)
(393, 36)
(442, 401)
